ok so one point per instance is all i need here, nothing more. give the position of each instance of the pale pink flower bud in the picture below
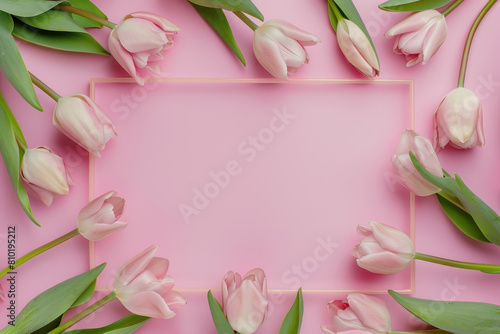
(99, 218)
(45, 173)
(144, 288)
(405, 171)
(139, 42)
(279, 47)
(459, 120)
(419, 36)
(359, 314)
(357, 48)
(81, 120)
(244, 300)
(384, 250)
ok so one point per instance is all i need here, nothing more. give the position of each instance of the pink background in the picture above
(71, 73)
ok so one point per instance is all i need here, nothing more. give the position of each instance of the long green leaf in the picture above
(126, 325)
(245, 6)
(12, 64)
(220, 320)
(461, 219)
(27, 8)
(293, 320)
(454, 317)
(217, 19)
(66, 41)
(87, 6)
(54, 20)
(12, 155)
(412, 5)
(50, 326)
(485, 218)
(51, 303)
(349, 10)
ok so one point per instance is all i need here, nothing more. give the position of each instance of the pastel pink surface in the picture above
(234, 175)
(198, 52)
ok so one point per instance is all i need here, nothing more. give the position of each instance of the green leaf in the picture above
(217, 19)
(54, 20)
(461, 219)
(245, 6)
(87, 6)
(12, 155)
(86, 295)
(126, 325)
(454, 317)
(51, 303)
(293, 320)
(27, 8)
(331, 14)
(412, 5)
(67, 41)
(485, 218)
(52, 325)
(351, 13)
(12, 64)
(220, 320)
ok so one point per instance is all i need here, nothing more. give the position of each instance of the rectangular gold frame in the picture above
(408, 82)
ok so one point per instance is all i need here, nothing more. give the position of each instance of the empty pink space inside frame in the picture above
(230, 174)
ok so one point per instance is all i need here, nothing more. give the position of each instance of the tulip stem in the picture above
(452, 199)
(98, 304)
(486, 268)
(87, 15)
(336, 11)
(246, 20)
(452, 7)
(38, 251)
(46, 89)
(468, 43)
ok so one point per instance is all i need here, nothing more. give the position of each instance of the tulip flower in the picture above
(279, 47)
(99, 218)
(459, 120)
(357, 48)
(45, 173)
(383, 250)
(81, 120)
(360, 314)
(139, 42)
(404, 169)
(419, 36)
(244, 300)
(143, 287)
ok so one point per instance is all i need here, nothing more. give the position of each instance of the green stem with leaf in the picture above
(38, 251)
(452, 7)
(87, 15)
(452, 199)
(83, 314)
(46, 89)
(487, 268)
(468, 43)
(336, 11)
(246, 20)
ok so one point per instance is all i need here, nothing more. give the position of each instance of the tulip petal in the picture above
(293, 32)
(161, 22)
(137, 35)
(174, 299)
(371, 311)
(102, 231)
(413, 22)
(123, 57)
(384, 263)
(434, 39)
(148, 304)
(94, 205)
(159, 267)
(346, 320)
(328, 329)
(362, 44)
(131, 269)
(268, 54)
(391, 239)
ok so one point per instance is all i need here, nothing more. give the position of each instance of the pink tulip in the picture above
(81, 120)
(279, 47)
(245, 300)
(139, 42)
(419, 36)
(99, 218)
(384, 250)
(143, 287)
(357, 48)
(45, 173)
(404, 169)
(359, 314)
(459, 120)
